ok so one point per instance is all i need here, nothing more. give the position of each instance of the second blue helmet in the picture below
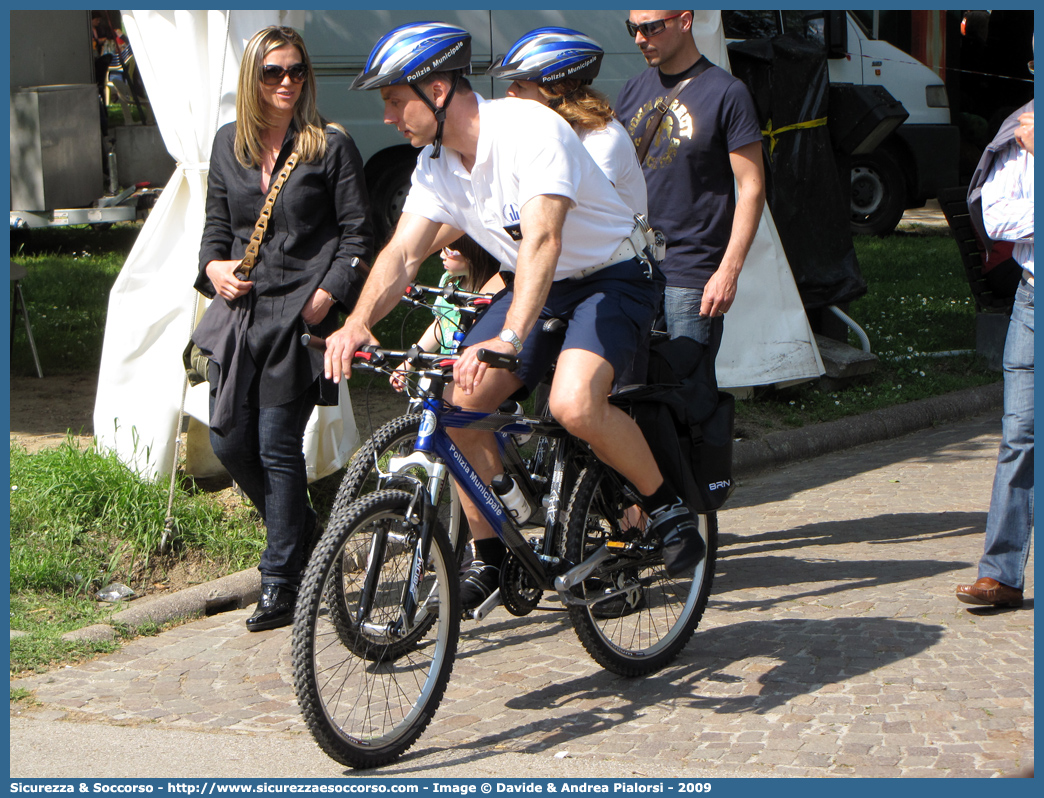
(548, 55)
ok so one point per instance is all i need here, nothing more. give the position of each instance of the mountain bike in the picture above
(378, 612)
(368, 469)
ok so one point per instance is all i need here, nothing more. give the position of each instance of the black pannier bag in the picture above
(687, 421)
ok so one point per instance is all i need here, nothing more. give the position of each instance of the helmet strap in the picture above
(440, 113)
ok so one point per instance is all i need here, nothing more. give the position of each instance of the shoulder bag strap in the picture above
(247, 264)
(661, 109)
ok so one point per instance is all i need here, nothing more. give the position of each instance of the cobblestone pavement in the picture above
(832, 646)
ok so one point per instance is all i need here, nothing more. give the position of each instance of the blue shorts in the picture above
(608, 313)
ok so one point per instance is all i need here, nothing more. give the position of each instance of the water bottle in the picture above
(512, 498)
(458, 339)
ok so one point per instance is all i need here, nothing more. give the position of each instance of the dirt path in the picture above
(43, 411)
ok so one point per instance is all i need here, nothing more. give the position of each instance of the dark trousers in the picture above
(264, 454)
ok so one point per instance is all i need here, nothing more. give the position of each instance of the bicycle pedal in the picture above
(485, 608)
(617, 544)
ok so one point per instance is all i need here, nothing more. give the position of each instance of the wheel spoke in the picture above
(643, 629)
(366, 690)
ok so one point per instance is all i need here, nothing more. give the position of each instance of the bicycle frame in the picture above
(439, 458)
(436, 453)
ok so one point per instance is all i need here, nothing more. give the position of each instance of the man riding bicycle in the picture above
(514, 176)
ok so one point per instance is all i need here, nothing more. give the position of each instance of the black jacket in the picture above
(319, 225)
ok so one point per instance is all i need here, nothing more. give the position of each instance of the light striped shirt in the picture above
(1007, 202)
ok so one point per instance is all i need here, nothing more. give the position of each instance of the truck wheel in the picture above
(878, 194)
(389, 182)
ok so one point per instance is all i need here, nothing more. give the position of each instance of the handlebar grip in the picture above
(497, 360)
(315, 342)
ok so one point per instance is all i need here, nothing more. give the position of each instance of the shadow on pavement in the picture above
(810, 654)
(949, 444)
(888, 528)
(748, 562)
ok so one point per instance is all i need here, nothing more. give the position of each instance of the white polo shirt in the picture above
(524, 150)
(614, 152)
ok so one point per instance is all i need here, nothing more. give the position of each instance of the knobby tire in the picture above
(647, 628)
(368, 690)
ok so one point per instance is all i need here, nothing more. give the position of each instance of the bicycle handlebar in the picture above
(465, 301)
(375, 357)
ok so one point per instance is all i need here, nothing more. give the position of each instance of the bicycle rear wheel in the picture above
(368, 472)
(644, 628)
(368, 682)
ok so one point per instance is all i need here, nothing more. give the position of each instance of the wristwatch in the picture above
(511, 338)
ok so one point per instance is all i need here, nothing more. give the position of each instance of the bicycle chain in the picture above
(517, 591)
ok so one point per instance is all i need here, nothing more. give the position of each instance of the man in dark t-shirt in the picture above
(709, 135)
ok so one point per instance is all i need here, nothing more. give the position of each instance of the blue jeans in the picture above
(681, 312)
(264, 454)
(1010, 522)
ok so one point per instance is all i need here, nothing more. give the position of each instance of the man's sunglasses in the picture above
(273, 74)
(649, 28)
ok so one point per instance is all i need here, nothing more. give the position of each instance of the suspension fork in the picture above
(374, 561)
(421, 549)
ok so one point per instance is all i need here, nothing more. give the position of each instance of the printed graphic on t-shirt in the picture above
(513, 218)
(677, 124)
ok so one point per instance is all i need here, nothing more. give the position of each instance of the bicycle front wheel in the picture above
(368, 677)
(368, 471)
(650, 616)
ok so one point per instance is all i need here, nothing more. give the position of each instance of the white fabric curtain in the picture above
(189, 62)
(767, 337)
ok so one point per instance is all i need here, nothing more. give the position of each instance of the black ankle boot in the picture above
(274, 609)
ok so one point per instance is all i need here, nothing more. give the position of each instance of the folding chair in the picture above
(18, 273)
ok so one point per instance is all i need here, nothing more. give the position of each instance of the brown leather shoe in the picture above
(989, 592)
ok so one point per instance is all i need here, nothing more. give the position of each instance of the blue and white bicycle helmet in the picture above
(548, 55)
(411, 52)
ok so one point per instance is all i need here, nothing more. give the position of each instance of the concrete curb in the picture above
(234, 591)
(243, 588)
(779, 448)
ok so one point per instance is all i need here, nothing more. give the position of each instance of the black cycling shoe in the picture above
(477, 584)
(274, 609)
(683, 546)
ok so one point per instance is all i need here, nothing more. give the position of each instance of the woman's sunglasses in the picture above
(273, 74)
(650, 28)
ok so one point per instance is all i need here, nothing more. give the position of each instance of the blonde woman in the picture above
(311, 265)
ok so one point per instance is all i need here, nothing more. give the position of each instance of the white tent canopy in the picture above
(189, 61)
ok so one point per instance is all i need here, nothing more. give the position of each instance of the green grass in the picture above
(917, 304)
(45, 617)
(81, 518)
(66, 290)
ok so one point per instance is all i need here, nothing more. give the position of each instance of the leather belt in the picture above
(1027, 275)
(624, 252)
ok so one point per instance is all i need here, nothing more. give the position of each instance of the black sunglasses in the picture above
(273, 74)
(650, 28)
